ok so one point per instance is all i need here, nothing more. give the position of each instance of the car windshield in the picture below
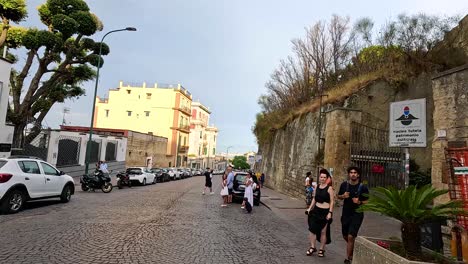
(156, 170)
(2, 163)
(134, 171)
(240, 178)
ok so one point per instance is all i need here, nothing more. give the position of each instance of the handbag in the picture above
(224, 191)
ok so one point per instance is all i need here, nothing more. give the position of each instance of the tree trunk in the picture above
(411, 236)
(18, 135)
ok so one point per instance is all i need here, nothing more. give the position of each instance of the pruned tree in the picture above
(10, 11)
(58, 61)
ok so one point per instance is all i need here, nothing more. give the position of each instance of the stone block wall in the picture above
(141, 147)
(450, 115)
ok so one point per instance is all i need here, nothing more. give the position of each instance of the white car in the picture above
(23, 179)
(174, 173)
(142, 175)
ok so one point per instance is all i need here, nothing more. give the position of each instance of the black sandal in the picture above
(321, 253)
(311, 251)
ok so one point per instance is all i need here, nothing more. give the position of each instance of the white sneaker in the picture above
(211, 193)
(203, 193)
(242, 207)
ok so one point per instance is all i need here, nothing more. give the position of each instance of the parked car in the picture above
(183, 173)
(141, 175)
(238, 189)
(161, 175)
(189, 172)
(23, 179)
(173, 173)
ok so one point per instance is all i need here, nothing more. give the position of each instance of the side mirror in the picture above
(61, 173)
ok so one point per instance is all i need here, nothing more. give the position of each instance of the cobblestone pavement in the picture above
(164, 223)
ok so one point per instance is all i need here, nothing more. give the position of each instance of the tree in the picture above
(412, 207)
(10, 11)
(58, 59)
(240, 162)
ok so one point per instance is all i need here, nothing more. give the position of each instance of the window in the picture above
(214, 138)
(148, 96)
(214, 151)
(201, 134)
(29, 167)
(129, 113)
(185, 141)
(205, 151)
(107, 113)
(49, 170)
(129, 91)
(199, 151)
(147, 113)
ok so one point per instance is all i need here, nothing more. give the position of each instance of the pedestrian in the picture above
(262, 180)
(308, 180)
(103, 166)
(230, 182)
(248, 192)
(354, 193)
(320, 215)
(208, 183)
(224, 190)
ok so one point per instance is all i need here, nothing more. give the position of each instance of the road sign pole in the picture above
(407, 167)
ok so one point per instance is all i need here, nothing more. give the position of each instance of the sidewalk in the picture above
(292, 210)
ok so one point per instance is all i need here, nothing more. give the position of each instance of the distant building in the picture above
(163, 110)
(203, 138)
(6, 131)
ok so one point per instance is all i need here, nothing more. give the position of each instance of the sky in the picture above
(222, 51)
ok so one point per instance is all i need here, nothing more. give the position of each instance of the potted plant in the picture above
(412, 207)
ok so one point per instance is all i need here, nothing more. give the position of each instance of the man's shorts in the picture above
(230, 191)
(350, 224)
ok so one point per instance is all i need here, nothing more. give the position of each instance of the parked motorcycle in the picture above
(97, 180)
(123, 179)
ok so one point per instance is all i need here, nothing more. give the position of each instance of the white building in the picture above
(203, 138)
(6, 131)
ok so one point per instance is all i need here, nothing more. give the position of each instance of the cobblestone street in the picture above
(164, 223)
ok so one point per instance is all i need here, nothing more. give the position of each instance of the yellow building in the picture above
(163, 110)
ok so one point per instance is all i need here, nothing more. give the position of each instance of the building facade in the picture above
(203, 138)
(6, 131)
(162, 110)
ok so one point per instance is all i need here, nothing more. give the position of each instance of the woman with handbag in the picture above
(320, 215)
(224, 190)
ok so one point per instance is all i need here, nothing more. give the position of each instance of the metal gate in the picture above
(380, 165)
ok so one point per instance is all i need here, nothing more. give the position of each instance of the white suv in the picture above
(23, 179)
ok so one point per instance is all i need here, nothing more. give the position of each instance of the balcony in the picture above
(182, 128)
(184, 109)
(183, 149)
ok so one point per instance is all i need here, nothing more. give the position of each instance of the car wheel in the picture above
(144, 182)
(119, 184)
(65, 197)
(13, 202)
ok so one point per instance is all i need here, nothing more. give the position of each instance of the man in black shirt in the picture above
(208, 183)
(352, 192)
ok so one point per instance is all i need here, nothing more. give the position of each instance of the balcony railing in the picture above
(183, 128)
(183, 148)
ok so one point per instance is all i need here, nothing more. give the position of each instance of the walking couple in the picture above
(320, 212)
(226, 186)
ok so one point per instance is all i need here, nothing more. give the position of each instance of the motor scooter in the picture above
(123, 179)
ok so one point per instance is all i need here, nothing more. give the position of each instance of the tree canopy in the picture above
(10, 11)
(240, 162)
(59, 59)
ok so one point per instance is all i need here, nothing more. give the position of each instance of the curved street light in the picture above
(88, 145)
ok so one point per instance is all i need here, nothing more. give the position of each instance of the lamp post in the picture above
(88, 145)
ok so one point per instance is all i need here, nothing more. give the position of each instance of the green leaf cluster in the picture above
(13, 10)
(240, 162)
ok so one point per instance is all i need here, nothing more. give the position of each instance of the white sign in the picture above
(408, 123)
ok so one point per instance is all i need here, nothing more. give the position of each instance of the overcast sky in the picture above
(222, 51)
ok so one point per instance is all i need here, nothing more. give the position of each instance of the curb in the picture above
(264, 204)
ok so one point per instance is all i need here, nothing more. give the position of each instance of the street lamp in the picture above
(88, 145)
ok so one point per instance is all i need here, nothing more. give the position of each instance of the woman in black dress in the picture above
(320, 215)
